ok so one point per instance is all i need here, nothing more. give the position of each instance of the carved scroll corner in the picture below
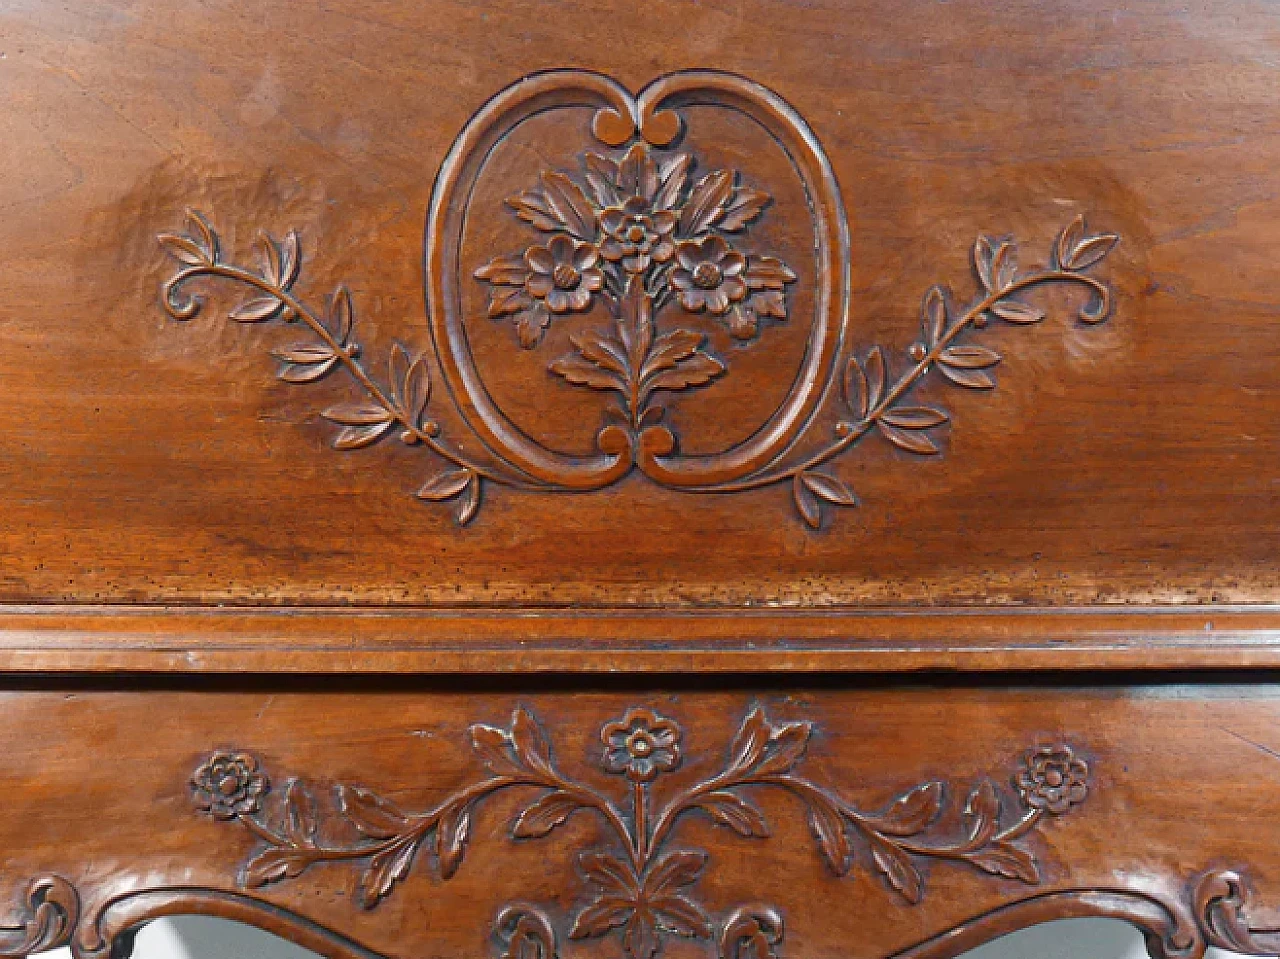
(1223, 910)
(47, 920)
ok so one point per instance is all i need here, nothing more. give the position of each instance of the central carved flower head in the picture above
(563, 274)
(1052, 778)
(709, 276)
(636, 234)
(229, 785)
(641, 745)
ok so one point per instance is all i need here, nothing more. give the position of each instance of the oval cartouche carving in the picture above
(638, 254)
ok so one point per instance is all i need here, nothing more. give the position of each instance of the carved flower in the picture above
(637, 234)
(229, 785)
(1052, 778)
(641, 744)
(709, 276)
(563, 273)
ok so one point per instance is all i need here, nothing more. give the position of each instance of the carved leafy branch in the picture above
(400, 407)
(641, 884)
(879, 402)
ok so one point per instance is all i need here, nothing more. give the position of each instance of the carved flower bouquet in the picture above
(641, 238)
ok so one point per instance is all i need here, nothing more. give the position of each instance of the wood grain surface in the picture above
(150, 461)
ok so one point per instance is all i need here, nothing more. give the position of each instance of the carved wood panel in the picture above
(640, 823)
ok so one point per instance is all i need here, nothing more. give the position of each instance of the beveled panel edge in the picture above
(156, 639)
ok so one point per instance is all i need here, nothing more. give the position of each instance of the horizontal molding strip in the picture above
(96, 639)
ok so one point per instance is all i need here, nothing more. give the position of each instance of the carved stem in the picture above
(908, 380)
(298, 308)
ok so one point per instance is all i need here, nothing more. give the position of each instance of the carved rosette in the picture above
(648, 270)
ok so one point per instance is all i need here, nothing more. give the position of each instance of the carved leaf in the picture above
(385, 870)
(503, 301)
(770, 303)
(270, 254)
(694, 370)
(581, 371)
(829, 488)
(914, 417)
(571, 205)
(729, 809)
(531, 324)
(291, 259)
(607, 912)
(357, 414)
(544, 815)
(749, 742)
(909, 440)
(301, 821)
(896, 868)
(358, 437)
(532, 207)
(452, 833)
(602, 350)
(494, 746)
(876, 372)
(275, 863)
(417, 390)
(446, 485)
(1006, 859)
(786, 747)
(602, 175)
(468, 502)
(1079, 252)
(257, 310)
(504, 271)
(983, 251)
(637, 173)
(767, 273)
(308, 372)
(1015, 312)
(341, 315)
(530, 746)
(829, 830)
(856, 389)
(933, 316)
(303, 354)
(609, 873)
(807, 504)
(183, 249)
(204, 234)
(744, 207)
(1068, 239)
(681, 916)
(669, 349)
(1004, 266)
(982, 811)
(706, 202)
(374, 816)
(912, 811)
(969, 357)
(674, 175)
(969, 378)
(671, 872)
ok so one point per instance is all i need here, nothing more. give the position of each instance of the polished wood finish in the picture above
(830, 447)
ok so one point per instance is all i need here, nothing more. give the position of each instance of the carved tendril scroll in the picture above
(666, 250)
(641, 878)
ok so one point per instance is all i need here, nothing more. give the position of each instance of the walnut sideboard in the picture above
(609, 480)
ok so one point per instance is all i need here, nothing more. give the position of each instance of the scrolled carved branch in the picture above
(665, 250)
(641, 883)
(48, 920)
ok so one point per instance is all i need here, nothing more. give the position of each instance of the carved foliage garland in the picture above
(641, 879)
(664, 247)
